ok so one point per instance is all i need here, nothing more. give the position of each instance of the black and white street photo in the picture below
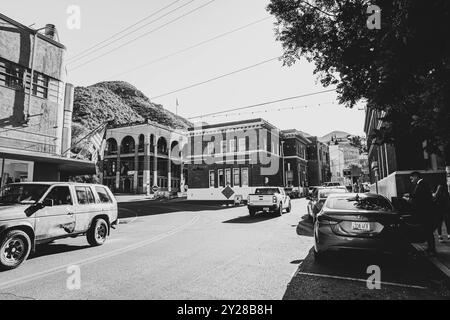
(255, 152)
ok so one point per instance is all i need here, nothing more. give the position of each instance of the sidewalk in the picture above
(442, 258)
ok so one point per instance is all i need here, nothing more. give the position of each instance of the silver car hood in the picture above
(12, 211)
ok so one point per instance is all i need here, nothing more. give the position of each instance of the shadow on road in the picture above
(343, 275)
(258, 218)
(305, 227)
(51, 249)
(152, 207)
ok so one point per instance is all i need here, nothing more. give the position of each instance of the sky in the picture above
(100, 19)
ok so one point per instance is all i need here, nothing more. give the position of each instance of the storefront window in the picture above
(244, 178)
(12, 171)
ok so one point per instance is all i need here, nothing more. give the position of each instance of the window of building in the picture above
(242, 146)
(212, 179)
(232, 145)
(264, 144)
(228, 177)
(221, 178)
(210, 148)
(236, 177)
(15, 171)
(244, 177)
(224, 146)
(13, 75)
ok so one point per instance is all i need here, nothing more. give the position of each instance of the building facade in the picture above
(390, 165)
(295, 168)
(145, 158)
(35, 107)
(318, 162)
(232, 159)
(343, 157)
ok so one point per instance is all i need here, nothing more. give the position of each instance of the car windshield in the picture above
(22, 193)
(360, 203)
(267, 191)
(323, 194)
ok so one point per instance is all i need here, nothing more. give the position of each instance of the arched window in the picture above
(111, 146)
(152, 143)
(128, 145)
(175, 149)
(141, 143)
(162, 146)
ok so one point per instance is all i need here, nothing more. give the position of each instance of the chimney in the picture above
(50, 31)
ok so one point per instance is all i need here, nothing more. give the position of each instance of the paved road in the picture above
(185, 250)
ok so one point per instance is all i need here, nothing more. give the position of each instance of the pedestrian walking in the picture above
(421, 200)
(442, 203)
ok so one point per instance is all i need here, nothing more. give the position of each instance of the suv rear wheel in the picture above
(97, 233)
(14, 249)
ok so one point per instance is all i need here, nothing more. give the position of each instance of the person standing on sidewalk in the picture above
(423, 210)
(442, 202)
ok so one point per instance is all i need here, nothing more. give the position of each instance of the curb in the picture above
(435, 261)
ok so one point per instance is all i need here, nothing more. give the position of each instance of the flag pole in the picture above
(85, 137)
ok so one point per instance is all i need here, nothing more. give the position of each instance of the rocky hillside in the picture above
(120, 102)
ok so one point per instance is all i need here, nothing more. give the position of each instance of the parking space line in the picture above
(361, 280)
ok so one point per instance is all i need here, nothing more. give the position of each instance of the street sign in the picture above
(155, 188)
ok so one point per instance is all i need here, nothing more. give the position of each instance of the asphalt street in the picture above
(187, 250)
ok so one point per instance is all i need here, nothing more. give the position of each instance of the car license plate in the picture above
(265, 209)
(361, 226)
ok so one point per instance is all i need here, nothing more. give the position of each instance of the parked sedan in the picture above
(318, 198)
(357, 221)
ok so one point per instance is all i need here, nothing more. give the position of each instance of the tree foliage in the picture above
(402, 69)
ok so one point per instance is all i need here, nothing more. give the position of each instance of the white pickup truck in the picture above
(268, 199)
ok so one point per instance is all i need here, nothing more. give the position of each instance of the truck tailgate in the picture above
(261, 200)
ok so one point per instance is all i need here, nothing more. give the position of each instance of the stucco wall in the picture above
(16, 45)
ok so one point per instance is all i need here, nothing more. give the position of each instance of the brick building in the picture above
(234, 158)
(295, 146)
(35, 107)
(318, 162)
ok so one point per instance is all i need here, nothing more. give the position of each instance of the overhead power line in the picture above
(217, 78)
(263, 104)
(143, 35)
(188, 48)
(122, 31)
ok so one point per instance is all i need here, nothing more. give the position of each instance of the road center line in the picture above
(38, 275)
(361, 280)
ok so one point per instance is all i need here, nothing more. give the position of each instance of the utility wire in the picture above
(188, 48)
(122, 31)
(143, 35)
(262, 104)
(218, 77)
(127, 34)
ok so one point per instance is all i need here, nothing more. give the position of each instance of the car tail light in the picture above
(248, 199)
(323, 218)
(274, 199)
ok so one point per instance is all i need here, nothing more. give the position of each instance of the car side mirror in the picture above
(47, 203)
